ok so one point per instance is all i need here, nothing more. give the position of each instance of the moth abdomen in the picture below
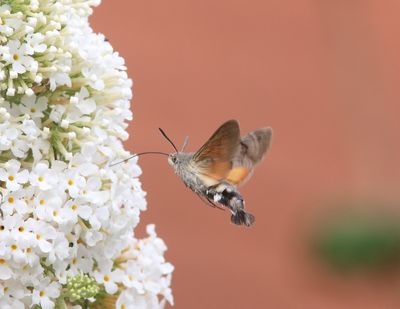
(229, 197)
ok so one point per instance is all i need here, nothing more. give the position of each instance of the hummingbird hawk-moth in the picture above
(223, 163)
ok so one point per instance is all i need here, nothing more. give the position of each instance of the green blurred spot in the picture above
(359, 242)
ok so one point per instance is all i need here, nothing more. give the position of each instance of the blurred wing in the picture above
(252, 149)
(214, 159)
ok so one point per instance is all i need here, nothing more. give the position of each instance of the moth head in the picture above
(173, 159)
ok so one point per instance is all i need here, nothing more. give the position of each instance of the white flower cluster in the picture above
(66, 215)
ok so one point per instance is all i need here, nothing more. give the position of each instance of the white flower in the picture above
(64, 106)
(57, 112)
(44, 234)
(19, 58)
(19, 147)
(42, 177)
(47, 202)
(83, 102)
(92, 74)
(11, 303)
(60, 250)
(130, 299)
(17, 253)
(109, 279)
(5, 270)
(101, 215)
(7, 136)
(15, 202)
(77, 208)
(132, 276)
(82, 262)
(58, 77)
(35, 41)
(12, 175)
(45, 294)
(37, 141)
(73, 182)
(33, 106)
(6, 29)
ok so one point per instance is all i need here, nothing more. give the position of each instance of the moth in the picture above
(220, 166)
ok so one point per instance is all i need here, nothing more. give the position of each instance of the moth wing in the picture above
(252, 149)
(213, 161)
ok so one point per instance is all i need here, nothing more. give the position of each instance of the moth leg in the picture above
(215, 205)
(208, 202)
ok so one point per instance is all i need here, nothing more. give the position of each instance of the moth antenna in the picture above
(167, 138)
(185, 142)
(139, 154)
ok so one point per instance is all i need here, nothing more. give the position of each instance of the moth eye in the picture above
(174, 159)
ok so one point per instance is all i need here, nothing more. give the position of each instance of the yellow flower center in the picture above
(38, 236)
(74, 207)
(40, 178)
(2, 261)
(70, 182)
(55, 213)
(29, 250)
(11, 200)
(33, 110)
(11, 178)
(15, 57)
(14, 247)
(41, 202)
(74, 261)
(106, 278)
(41, 293)
(21, 229)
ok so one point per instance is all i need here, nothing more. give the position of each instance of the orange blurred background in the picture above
(324, 75)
